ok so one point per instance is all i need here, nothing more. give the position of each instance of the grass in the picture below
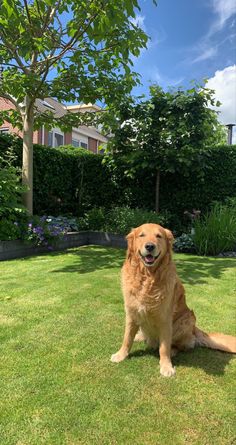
(61, 319)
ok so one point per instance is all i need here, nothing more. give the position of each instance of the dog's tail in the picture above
(222, 342)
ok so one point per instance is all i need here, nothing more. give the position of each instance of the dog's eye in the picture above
(158, 235)
(141, 235)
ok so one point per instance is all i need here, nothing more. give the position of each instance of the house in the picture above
(82, 136)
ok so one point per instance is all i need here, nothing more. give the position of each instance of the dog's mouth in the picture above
(149, 259)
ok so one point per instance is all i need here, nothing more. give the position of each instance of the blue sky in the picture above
(190, 40)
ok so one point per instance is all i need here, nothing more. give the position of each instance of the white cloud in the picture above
(206, 53)
(224, 10)
(224, 84)
(208, 47)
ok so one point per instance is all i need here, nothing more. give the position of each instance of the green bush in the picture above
(94, 219)
(178, 192)
(42, 231)
(66, 181)
(120, 220)
(11, 208)
(216, 231)
(75, 181)
(184, 243)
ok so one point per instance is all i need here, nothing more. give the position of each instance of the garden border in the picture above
(19, 249)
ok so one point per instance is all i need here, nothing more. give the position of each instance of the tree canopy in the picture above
(167, 133)
(70, 50)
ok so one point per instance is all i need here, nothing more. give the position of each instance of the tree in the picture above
(167, 133)
(67, 49)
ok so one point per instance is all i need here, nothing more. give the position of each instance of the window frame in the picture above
(54, 132)
(79, 143)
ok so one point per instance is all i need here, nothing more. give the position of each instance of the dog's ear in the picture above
(130, 240)
(170, 237)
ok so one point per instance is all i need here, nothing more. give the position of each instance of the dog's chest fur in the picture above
(144, 294)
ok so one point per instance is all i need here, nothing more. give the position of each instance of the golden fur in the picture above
(154, 298)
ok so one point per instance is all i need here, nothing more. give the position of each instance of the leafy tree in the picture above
(167, 133)
(67, 49)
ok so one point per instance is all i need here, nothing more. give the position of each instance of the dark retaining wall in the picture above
(19, 249)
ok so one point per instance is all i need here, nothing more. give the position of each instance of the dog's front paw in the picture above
(118, 357)
(167, 370)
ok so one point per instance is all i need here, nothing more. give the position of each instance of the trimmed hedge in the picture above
(179, 193)
(71, 181)
(67, 180)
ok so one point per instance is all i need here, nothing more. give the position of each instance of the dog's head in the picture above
(150, 243)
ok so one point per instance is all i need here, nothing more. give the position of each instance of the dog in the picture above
(155, 304)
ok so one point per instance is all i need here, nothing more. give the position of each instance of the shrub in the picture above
(67, 224)
(216, 232)
(74, 181)
(46, 230)
(11, 208)
(184, 243)
(120, 220)
(93, 220)
(66, 181)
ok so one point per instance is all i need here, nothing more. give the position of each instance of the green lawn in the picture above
(61, 319)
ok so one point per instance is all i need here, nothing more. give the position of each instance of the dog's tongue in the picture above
(149, 259)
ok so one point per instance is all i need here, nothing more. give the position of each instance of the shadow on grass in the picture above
(212, 362)
(197, 270)
(192, 270)
(90, 259)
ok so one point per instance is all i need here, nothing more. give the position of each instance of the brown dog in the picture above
(155, 301)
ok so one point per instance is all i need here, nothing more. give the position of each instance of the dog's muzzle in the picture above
(149, 259)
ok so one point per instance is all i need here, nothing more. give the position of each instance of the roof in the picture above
(83, 107)
(91, 132)
(49, 104)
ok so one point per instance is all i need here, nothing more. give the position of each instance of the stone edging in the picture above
(19, 249)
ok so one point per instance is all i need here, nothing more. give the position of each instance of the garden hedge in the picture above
(69, 180)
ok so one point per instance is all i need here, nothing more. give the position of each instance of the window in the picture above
(77, 143)
(4, 130)
(58, 139)
(55, 139)
(83, 144)
(50, 138)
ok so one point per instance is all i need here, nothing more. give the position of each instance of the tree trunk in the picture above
(27, 165)
(157, 190)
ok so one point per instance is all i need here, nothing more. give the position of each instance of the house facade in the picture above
(89, 138)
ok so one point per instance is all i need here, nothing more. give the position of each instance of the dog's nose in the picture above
(150, 247)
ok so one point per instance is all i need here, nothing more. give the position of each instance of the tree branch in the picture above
(72, 41)
(40, 84)
(9, 97)
(14, 53)
(28, 13)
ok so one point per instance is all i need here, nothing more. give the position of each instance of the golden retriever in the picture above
(154, 297)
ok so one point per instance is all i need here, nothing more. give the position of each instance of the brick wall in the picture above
(7, 105)
(92, 145)
(68, 138)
